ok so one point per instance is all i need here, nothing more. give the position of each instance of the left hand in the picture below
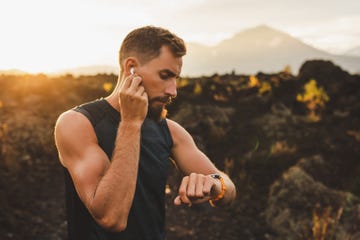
(197, 188)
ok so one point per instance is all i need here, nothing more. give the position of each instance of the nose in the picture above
(171, 88)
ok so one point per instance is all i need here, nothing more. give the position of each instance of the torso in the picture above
(147, 214)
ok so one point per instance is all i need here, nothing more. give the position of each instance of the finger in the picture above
(126, 82)
(191, 185)
(199, 186)
(183, 190)
(140, 91)
(136, 81)
(208, 185)
(177, 201)
(185, 200)
(144, 96)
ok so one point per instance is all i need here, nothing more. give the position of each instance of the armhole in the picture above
(86, 114)
(168, 135)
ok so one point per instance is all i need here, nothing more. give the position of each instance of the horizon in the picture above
(44, 37)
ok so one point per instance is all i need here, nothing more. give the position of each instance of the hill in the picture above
(13, 72)
(353, 52)
(90, 70)
(258, 49)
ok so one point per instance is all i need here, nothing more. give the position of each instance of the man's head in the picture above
(145, 44)
(156, 56)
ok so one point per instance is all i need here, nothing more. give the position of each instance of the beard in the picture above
(155, 112)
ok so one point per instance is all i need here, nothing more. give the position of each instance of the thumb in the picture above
(177, 201)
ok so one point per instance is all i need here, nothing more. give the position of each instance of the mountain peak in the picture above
(262, 30)
(262, 27)
(260, 38)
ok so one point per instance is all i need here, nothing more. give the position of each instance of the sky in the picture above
(48, 36)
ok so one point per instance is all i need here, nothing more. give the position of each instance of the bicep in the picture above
(186, 154)
(80, 154)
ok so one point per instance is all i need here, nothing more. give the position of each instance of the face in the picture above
(159, 80)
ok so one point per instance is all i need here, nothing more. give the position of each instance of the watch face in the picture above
(215, 175)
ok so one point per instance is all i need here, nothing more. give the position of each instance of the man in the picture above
(115, 151)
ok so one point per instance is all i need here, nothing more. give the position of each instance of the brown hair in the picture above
(145, 44)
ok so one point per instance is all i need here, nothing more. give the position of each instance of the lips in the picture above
(165, 100)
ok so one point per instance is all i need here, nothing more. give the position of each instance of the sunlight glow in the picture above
(67, 34)
(48, 36)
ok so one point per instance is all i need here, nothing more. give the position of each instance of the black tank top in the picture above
(147, 215)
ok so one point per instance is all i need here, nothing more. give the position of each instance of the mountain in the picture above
(258, 49)
(89, 70)
(353, 52)
(12, 72)
(261, 48)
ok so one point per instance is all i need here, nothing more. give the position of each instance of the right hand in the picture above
(197, 188)
(133, 99)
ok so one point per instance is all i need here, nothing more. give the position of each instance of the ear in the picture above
(129, 63)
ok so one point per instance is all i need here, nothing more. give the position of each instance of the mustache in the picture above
(165, 99)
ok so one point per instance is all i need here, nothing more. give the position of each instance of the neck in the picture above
(113, 98)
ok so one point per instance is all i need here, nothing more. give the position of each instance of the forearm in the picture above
(115, 192)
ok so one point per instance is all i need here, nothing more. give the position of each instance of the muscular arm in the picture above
(197, 186)
(106, 188)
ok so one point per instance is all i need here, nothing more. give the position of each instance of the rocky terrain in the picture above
(290, 144)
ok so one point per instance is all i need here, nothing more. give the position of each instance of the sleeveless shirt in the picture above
(146, 218)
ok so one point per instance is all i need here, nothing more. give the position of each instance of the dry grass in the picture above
(325, 222)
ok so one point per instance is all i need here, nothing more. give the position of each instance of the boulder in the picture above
(301, 208)
(324, 72)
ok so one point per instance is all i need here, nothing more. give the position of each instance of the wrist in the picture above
(220, 189)
(216, 189)
(130, 124)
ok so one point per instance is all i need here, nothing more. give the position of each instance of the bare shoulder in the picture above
(175, 128)
(72, 122)
(73, 131)
(178, 132)
(70, 117)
